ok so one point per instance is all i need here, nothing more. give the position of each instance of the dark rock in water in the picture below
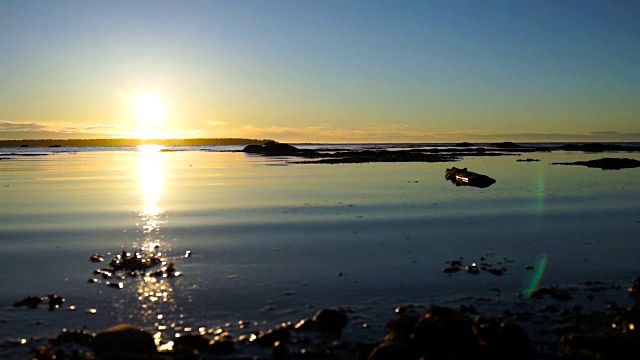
(133, 262)
(472, 269)
(451, 269)
(528, 160)
(31, 302)
(598, 147)
(55, 301)
(78, 337)
(96, 258)
(120, 340)
(444, 333)
(463, 177)
(273, 148)
(269, 338)
(374, 156)
(331, 321)
(464, 144)
(392, 350)
(606, 163)
(192, 341)
(506, 145)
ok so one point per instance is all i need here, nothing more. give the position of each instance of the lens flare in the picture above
(537, 276)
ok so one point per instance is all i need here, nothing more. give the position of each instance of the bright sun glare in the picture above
(149, 109)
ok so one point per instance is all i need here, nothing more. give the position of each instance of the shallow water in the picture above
(272, 242)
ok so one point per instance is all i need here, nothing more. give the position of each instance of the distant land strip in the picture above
(129, 142)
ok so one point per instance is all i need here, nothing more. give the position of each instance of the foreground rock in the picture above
(606, 163)
(446, 333)
(121, 341)
(463, 177)
(437, 333)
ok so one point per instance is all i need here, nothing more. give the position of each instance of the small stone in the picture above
(123, 338)
(55, 301)
(451, 270)
(497, 272)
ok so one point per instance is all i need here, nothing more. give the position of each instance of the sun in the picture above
(149, 109)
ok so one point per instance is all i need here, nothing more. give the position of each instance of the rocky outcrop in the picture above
(463, 177)
(598, 147)
(506, 145)
(122, 340)
(274, 148)
(606, 163)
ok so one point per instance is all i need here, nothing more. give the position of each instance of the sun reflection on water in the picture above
(154, 293)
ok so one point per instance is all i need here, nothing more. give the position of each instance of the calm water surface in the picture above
(272, 242)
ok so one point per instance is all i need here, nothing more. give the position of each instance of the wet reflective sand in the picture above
(262, 243)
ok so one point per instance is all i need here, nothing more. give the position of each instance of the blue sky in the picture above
(324, 70)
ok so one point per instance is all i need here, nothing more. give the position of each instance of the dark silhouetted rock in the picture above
(463, 177)
(122, 339)
(606, 163)
(31, 302)
(273, 148)
(79, 337)
(55, 301)
(328, 322)
(598, 147)
(506, 145)
(464, 144)
(270, 337)
(192, 341)
(331, 321)
(444, 332)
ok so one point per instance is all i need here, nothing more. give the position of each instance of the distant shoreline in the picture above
(243, 141)
(128, 142)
